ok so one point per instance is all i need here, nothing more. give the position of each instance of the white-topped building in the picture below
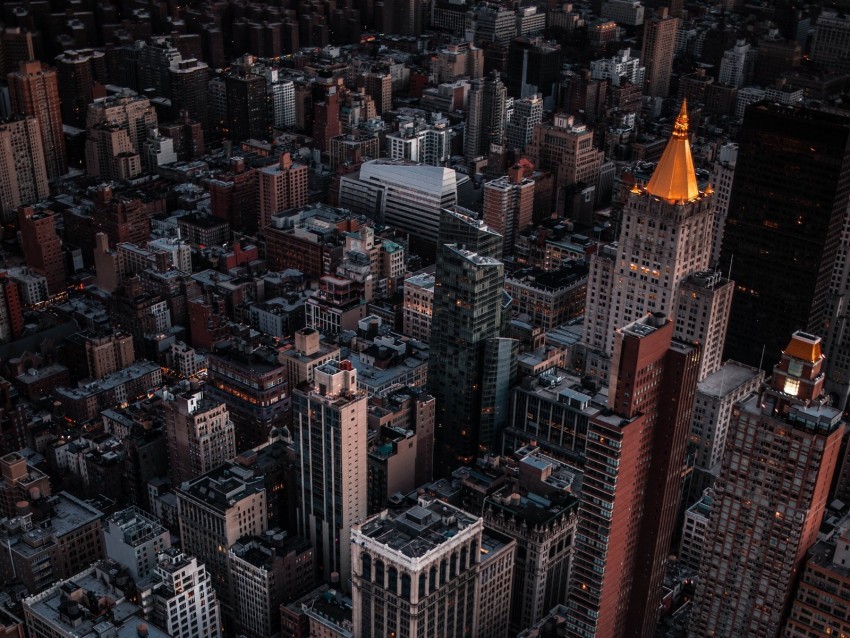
(432, 570)
(182, 597)
(622, 65)
(402, 194)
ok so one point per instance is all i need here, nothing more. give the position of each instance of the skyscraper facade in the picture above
(659, 47)
(247, 107)
(34, 90)
(201, 435)
(665, 236)
(23, 171)
(770, 498)
(42, 246)
(632, 483)
(788, 201)
(282, 186)
(467, 313)
(509, 205)
(486, 116)
(329, 430)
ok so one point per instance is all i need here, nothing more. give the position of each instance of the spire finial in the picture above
(680, 128)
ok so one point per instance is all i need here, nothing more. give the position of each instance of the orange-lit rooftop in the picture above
(674, 179)
(804, 346)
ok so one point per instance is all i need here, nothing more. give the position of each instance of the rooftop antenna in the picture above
(761, 359)
(731, 259)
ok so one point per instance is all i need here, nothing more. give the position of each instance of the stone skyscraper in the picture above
(329, 429)
(769, 500)
(665, 237)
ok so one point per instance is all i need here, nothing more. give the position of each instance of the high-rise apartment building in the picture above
(528, 113)
(738, 64)
(716, 395)
(534, 68)
(495, 24)
(418, 307)
(665, 236)
(201, 435)
(565, 147)
(188, 81)
(42, 246)
(16, 46)
(486, 116)
(281, 94)
(23, 170)
(622, 68)
(182, 597)
(632, 482)
(247, 105)
(78, 73)
(781, 452)
(264, 573)
(432, 570)
(831, 42)
(786, 211)
(659, 47)
(252, 383)
(11, 313)
(467, 314)
(107, 353)
(282, 186)
(132, 113)
(153, 59)
(34, 90)
(541, 515)
(217, 509)
(823, 593)
(133, 539)
(509, 205)
(722, 175)
(330, 430)
(702, 314)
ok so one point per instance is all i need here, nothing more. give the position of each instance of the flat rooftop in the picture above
(420, 529)
(731, 376)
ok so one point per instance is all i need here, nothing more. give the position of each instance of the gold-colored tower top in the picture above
(674, 178)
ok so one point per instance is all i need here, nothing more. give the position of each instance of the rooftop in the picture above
(91, 603)
(674, 179)
(222, 487)
(418, 531)
(731, 376)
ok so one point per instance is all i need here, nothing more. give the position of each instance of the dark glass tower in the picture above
(467, 314)
(788, 201)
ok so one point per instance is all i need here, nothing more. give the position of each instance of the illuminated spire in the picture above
(674, 178)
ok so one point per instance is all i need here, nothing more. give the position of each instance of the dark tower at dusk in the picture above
(787, 206)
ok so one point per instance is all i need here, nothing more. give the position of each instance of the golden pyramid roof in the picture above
(674, 178)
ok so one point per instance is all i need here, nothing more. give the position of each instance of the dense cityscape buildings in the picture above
(424, 318)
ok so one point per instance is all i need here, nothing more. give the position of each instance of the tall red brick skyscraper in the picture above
(34, 90)
(632, 483)
(769, 500)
